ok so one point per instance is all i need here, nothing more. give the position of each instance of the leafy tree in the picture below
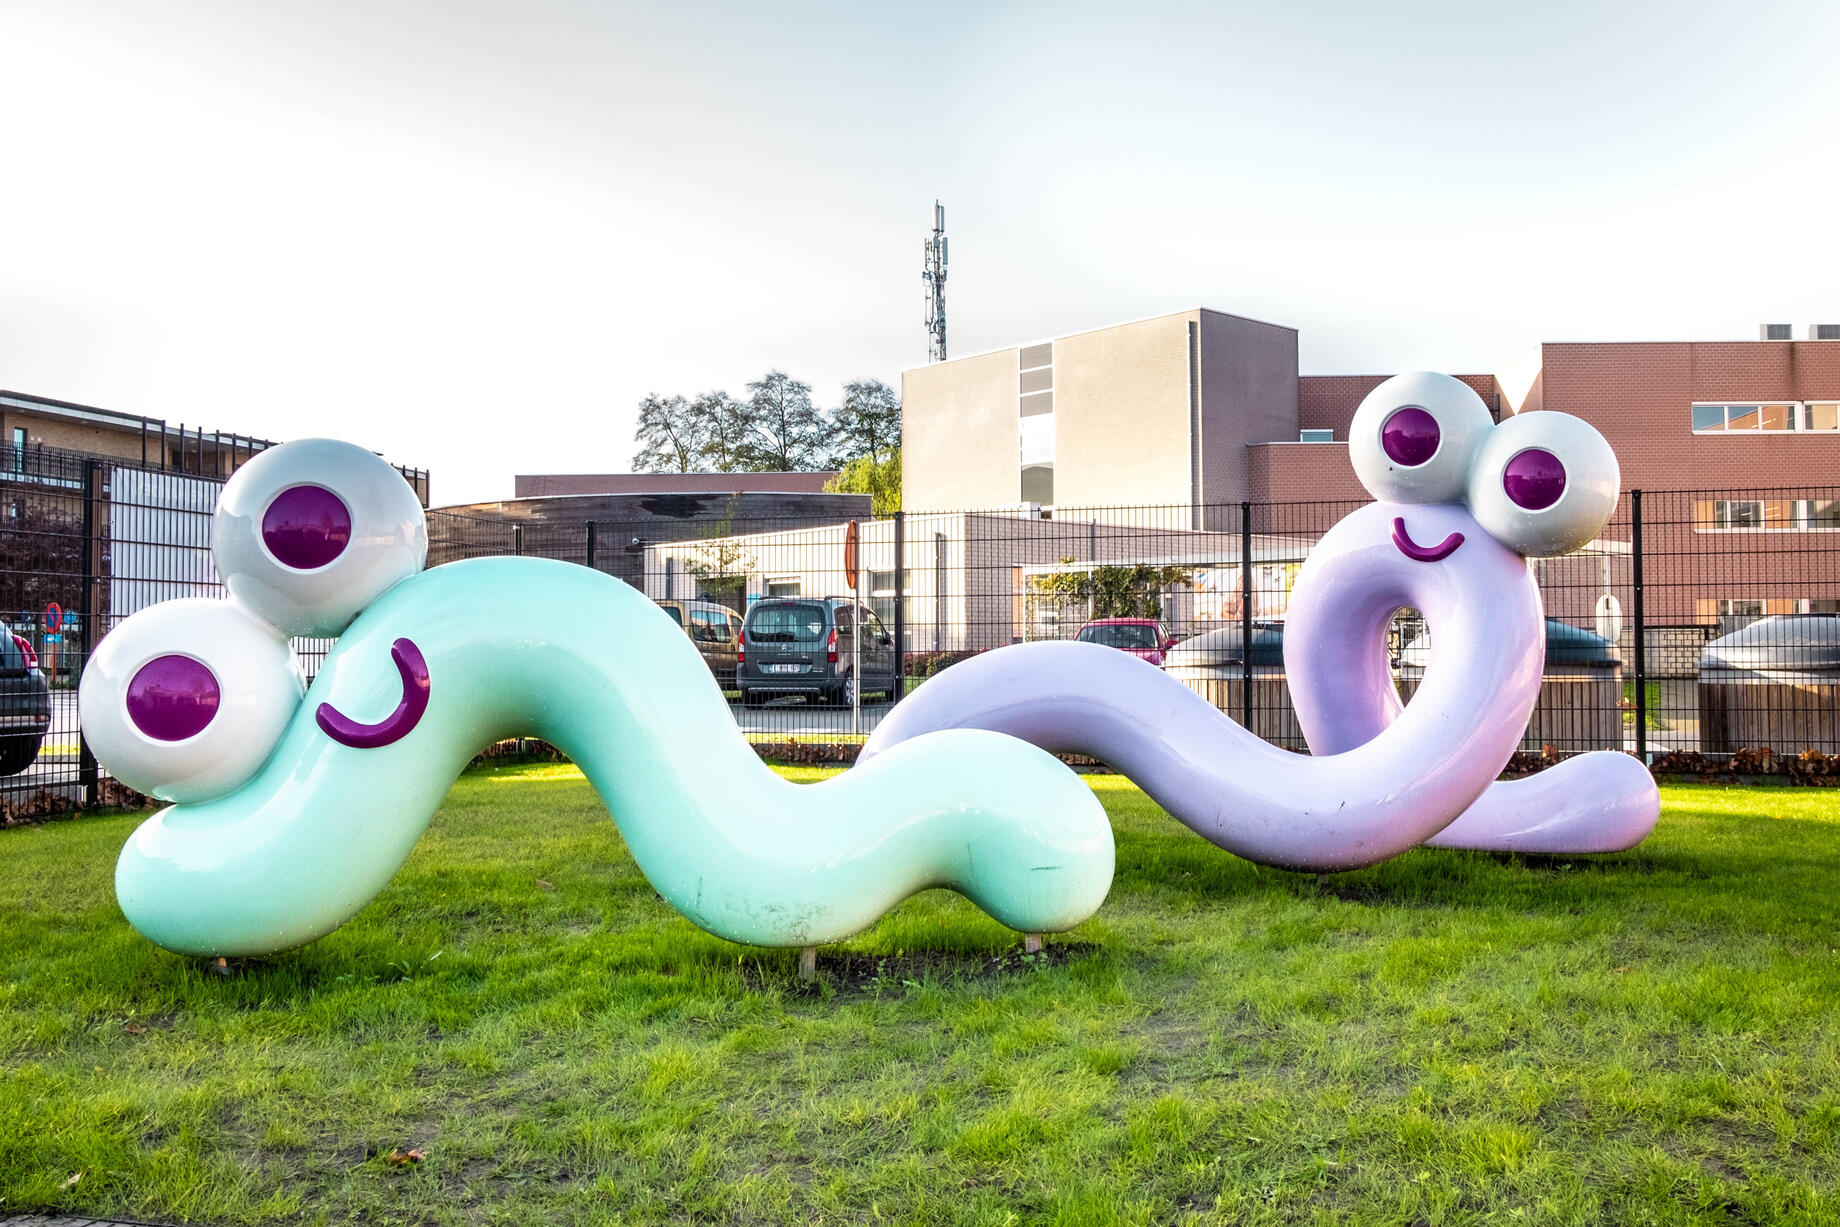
(776, 429)
(725, 432)
(1114, 591)
(865, 475)
(785, 432)
(868, 422)
(720, 566)
(672, 435)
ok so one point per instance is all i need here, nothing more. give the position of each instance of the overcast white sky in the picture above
(472, 235)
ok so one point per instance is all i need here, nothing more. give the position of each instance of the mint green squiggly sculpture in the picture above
(292, 815)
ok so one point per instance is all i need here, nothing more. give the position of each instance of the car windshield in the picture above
(1120, 635)
(800, 622)
(677, 615)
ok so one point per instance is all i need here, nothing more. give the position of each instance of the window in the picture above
(710, 626)
(1035, 418)
(783, 587)
(1038, 439)
(881, 593)
(1741, 417)
(1773, 417)
(1038, 484)
(19, 449)
(1774, 515)
(1817, 605)
(1824, 332)
(677, 615)
(1128, 635)
(1316, 436)
(1817, 513)
(1740, 607)
(1777, 332)
(1737, 513)
(793, 622)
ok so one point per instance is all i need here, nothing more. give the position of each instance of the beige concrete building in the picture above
(1152, 412)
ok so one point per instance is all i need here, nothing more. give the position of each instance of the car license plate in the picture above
(785, 668)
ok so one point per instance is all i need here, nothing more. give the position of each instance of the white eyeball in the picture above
(1544, 483)
(186, 699)
(309, 533)
(1414, 436)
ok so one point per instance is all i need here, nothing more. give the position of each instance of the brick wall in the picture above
(1640, 396)
(1328, 402)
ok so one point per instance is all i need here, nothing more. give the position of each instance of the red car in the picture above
(1144, 638)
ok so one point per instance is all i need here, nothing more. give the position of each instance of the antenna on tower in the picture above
(935, 277)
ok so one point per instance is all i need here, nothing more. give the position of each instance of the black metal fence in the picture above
(1699, 621)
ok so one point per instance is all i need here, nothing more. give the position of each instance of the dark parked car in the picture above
(25, 706)
(716, 631)
(803, 645)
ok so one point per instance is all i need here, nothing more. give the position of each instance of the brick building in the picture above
(1735, 444)
(37, 426)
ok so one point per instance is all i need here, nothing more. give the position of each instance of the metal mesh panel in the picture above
(1703, 621)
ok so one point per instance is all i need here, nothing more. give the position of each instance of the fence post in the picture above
(900, 606)
(88, 608)
(591, 544)
(1245, 614)
(1641, 632)
(517, 538)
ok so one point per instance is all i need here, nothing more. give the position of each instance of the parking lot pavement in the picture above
(793, 717)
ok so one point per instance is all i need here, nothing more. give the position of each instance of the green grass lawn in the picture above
(1446, 1038)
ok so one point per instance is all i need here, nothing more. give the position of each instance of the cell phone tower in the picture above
(935, 277)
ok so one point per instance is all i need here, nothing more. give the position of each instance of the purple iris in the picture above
(306, 527)
(1410, 436)
(1534, 479)
(173, 697)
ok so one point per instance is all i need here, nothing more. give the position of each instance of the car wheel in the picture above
(17, 753)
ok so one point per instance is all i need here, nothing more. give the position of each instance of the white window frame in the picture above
(1798, 411)
(1723, 505)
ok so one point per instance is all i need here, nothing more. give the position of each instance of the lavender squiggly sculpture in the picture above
(1464, 503)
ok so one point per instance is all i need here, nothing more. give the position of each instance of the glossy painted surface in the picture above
(1383, 777)
(309, 533)
(257, 684)
(1339, 811)
(610, 680)
(298, 813)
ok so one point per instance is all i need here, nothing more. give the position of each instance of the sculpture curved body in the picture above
(450, 660)
(1383, 776)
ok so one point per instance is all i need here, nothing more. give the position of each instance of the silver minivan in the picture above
(805, 646)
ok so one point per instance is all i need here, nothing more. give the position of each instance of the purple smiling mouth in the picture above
(393, 727)
(1418, 553)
